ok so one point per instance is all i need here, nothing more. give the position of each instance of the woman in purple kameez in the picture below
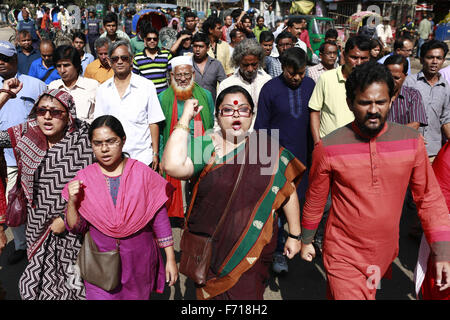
(121, 198)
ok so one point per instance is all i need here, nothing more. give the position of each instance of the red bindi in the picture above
(235, 102)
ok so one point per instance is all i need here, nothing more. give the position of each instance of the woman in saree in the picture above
(51, 147)
(237, 181)
(122, 198)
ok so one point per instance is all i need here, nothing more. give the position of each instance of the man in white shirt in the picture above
(384, 32)
(132, 99)
(64, 19)
(248, 59)
(83, 90)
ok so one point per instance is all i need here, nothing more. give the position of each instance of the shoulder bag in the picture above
(102, 269)
(196, 249)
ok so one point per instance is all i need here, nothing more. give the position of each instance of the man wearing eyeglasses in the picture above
(284, 41)
(182, 88)
(133, 100)
(328, 53)
(14, 112)
(153, 63)
(404, 47)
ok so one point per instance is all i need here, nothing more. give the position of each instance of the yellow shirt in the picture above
(223, 55)
(329, 98)
(95, 70)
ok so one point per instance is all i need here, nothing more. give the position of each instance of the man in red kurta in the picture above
(369, 164)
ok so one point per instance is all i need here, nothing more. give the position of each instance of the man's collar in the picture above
(340, 75)
(421, 76)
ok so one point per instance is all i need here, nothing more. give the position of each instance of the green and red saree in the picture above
(248, 236)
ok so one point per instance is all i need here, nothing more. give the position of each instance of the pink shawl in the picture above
(142, 192)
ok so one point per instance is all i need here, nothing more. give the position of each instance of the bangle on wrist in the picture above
(298, 238)
(182, 126)
(11, 94)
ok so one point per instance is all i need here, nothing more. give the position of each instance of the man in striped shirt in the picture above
(407, 106)
(153, 63)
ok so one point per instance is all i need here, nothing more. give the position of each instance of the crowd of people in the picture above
(134, 138)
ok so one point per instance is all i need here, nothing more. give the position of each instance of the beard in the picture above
(372, 132)
(183, 93)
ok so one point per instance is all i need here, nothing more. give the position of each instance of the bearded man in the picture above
(172, 101)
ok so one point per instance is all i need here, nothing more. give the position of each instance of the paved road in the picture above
(304, 280)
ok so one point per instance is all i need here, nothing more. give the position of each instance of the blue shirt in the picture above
(16, 111)
(24, 61)
(286, 109)
(38, 71)
(30, 26)
(87, 58)
(381, 61)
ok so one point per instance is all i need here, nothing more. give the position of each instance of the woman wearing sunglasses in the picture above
(51, 147)
(242, 180)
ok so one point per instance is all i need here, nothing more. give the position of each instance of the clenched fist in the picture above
(75, 190)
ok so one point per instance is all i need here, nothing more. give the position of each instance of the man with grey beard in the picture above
(248, 59)
(182, 88)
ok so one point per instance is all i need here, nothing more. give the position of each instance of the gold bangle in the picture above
(182, 126)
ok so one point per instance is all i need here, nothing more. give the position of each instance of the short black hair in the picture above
(433, 44)
(286, 35)
(331, 33)
(293, 57)
(230, 90)
(233, 33)
(266, 36)
(328, 42)
(189, 14)
(293, 20)
(366, 74)
(146, 29)
(398, 59)
(399, 42)
(70, 53)
(201, 37)
(361, 42)
(210, 23)
(110, 17)
(79, 35)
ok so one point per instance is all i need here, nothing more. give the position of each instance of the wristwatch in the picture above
(299, 237)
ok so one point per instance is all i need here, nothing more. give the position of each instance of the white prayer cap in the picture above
(181, 60)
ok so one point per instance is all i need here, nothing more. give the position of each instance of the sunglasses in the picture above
(115, 59)
(54, 113)
(151, 39)
(4, 58)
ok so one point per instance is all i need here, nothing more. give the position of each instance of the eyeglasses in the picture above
(244, 111)
(4, 58)
(111, 143)
(151, 39)
(115, 59)
(187, 75)
(54, 113)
